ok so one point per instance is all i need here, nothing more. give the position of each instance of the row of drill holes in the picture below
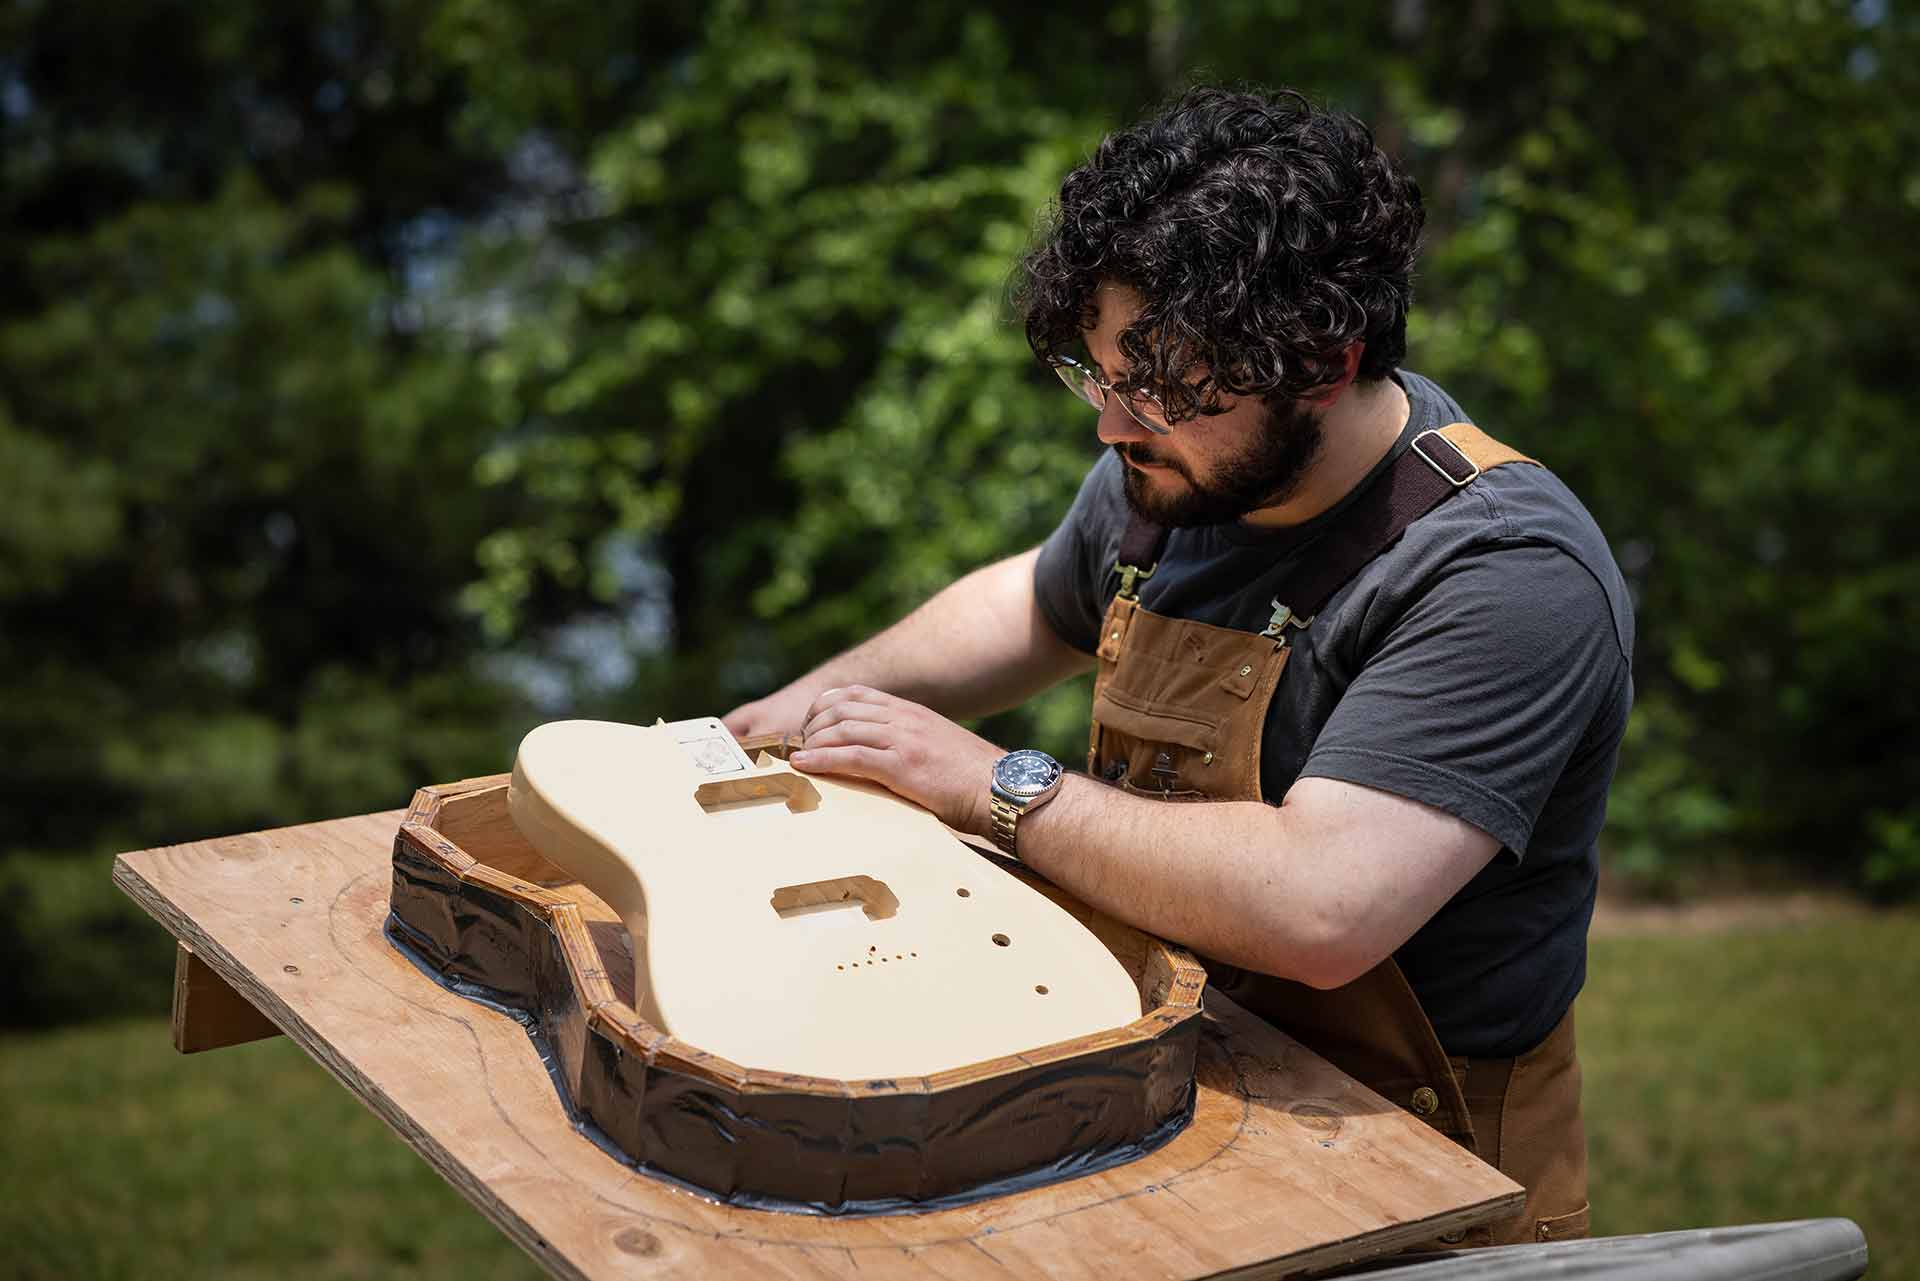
(883, 959)
(999, 940)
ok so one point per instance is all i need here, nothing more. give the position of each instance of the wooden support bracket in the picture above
(207, 1013)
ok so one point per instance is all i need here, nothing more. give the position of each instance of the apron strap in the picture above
(1140, 548)
(1435, 465)
(1432, 469)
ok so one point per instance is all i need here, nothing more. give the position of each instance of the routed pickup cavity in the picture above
(798, 793)
(873, 897)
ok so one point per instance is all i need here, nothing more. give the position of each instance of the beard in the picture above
(1263, 472)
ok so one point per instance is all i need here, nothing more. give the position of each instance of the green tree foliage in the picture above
(1665, 255)
(234, 451)
(1687, 254)
(356, 355)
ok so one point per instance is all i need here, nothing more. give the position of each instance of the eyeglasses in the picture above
(1142, 406)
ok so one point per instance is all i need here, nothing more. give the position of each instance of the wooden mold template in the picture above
(481, 909)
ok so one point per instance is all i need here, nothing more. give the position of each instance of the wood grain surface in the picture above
(1289, 1166)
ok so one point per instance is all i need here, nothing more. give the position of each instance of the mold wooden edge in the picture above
(591, 985)
(427, 800)
(494, 881)
(1170, 975)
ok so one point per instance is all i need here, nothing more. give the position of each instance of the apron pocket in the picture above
(1137, 719)
(1128, 786)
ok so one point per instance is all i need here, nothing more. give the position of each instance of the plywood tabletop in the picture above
(1289, 1165)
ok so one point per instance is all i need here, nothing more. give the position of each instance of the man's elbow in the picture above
(1321, 952)
(1335, 967)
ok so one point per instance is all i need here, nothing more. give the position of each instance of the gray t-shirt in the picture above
(1480, 665)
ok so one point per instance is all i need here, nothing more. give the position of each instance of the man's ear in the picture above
(1327, 393)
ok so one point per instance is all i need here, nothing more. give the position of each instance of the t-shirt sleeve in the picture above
(1069, 577)
(1476, 696)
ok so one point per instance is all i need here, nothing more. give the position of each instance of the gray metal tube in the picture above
(1797, 1250)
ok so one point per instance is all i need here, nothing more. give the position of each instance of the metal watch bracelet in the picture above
(1005, 825)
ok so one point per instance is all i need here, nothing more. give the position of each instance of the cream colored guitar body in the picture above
(807, 924)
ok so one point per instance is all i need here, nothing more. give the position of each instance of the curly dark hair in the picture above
(1264, 235)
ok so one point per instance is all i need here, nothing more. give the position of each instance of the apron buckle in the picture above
(1283, 618)
(1131, 576)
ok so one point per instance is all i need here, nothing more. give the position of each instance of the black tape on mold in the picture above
(814, 1147)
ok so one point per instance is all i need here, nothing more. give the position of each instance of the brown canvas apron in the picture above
(1179, 709)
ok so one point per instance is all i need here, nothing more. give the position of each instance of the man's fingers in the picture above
(852, 759)
(837, 713)
(825, 699)
(865, 733)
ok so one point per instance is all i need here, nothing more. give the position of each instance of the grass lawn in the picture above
(1732, 1076)
(1742, 1075)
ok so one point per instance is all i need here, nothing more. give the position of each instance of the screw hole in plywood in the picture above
(1001, 940)
(1041, 988)
(964, 892)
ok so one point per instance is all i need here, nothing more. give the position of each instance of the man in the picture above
(1393, 661)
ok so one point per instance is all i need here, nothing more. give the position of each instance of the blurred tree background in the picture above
(379, 378)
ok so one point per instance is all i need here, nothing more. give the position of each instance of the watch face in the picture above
(1026, 773)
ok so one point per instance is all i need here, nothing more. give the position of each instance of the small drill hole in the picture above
(1001, 940)
(898, 957)
(964, 892)
(839, 967)
(883, 960)
(913, 953)
(1041, 988)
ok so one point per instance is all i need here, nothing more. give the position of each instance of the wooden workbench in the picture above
(1289, 1165)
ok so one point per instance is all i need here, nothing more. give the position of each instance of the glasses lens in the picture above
(1146, 411)
(1081, 384)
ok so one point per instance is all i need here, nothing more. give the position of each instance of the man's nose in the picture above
(1117, 426)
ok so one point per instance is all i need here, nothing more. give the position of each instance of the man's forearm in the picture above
(1216, 876)
(1319, 889)
(980, 646)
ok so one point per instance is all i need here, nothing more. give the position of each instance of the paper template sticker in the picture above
(708, 745)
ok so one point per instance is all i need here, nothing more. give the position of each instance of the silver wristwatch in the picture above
(1022, 781)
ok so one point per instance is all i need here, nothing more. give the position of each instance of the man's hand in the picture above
(904, 747)
(781, 712)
